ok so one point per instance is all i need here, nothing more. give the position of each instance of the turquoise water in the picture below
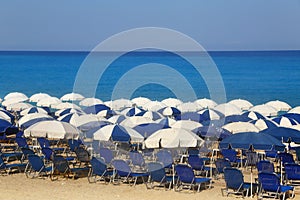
(256, 76)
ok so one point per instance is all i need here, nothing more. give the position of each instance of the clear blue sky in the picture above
(215, 24)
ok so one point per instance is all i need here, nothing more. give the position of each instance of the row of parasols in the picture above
(169, 123)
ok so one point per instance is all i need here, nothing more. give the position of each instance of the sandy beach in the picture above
(17, 187)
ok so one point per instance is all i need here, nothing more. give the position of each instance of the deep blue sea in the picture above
(258, 76)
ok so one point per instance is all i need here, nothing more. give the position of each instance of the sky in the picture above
(72, 25)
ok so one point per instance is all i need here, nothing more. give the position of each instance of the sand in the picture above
(17, 187)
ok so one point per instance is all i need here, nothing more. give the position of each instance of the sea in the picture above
(257, 76)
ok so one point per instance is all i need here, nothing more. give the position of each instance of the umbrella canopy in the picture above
(212, 132)
(154, 105)
(186, 124)
(228, 109)
(18, 106)
(37, 97)
(189, 107)
(191, 116)
(15, 95)
(246, 140)
(119, 104)
(67, 111)
(117, 119)
(149, 128)
(172, 102)
(33, 118)
(285, 121)
(284, 134)
(295, 110)
(72, 97)
(165, 121)
(7, 116)
(206, 103)
(96, 108)
(236, 118)
(173, 138)
(4, 125)
(107, 113)
(294, 116)
(209, 114)
(279, 105)
(90, 102)
(33, 110)
(150, 114)
(238, 127)
(65, 105)
(135, 120)
(52, 129)
(241, 103)
(48, 102)
(11, 101)
(129, 112)
(169, 111)
(263, 124)
(253, 115)
(140, 101)
(265, 110)
(118, 133)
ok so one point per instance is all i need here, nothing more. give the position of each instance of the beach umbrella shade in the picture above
(189, 107)
(69, 117)
(135, 120)
(295, 110)
(253, 115)
(16, 95)
(284, 134)
(72, 97)
(263, 124)
(140, 101)
(173, 138)
(65, 105)
(79, 120)
(90, 102)
(95, 108)
(297, 127)
(228, 109)
(150, 114)
(119, 104)
(10, 101)
(37, 97)
(148, 129)
(129, 112)
(206, 103)
(285, 121)
(48, 102)
(52, 129)
(190, 116)
(169, 111)
(279, 105)
(186, 124)
(118, 133)
(33, 118)
(236, 118)
(17, 107)
(238, 127)
(107, 113)
(154, 106)
(212, 132)
(6, 116)
(117, 119)
(246, 140)
(209, 114)
(172, 102)
(265, 110)
(4, 124)
(241, 103)
(293, 116)
(33, 110)
(165, 121)
(67, 111)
